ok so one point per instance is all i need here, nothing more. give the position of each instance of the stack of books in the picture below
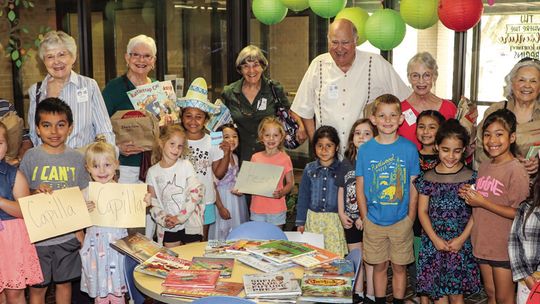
(139, 247)
(198, 283)
(329, 282)
(160, 264)
(271, 286)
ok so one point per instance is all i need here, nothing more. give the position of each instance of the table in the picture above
(151, 286)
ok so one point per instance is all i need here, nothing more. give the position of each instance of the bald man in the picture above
(339, 84)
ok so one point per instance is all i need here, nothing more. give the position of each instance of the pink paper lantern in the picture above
(460, 15)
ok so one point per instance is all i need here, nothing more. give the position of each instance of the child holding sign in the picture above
(177, 194)
(53, 166)
(19, 263)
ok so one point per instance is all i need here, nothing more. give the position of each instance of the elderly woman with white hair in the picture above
(58, 52)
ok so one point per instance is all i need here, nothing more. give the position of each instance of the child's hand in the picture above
(225, 146)
(440, 244)
(471, 196)
(530, 281)
(148, 199)
(79, 235)
(278, 193)
(531, 164)
(224, 213)
(300, 229)
(90, 205)
(236, 192)
(171, 221)
(455, 244)
(44, 188)
(346, 221)
(359, 224)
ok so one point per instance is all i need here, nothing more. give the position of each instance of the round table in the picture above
(151, 286)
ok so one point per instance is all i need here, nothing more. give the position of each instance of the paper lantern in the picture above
(269, 11)
(419, 14)
(327, 8)
(358, 17)
(460, 15)
(296, 5)
(385, 29)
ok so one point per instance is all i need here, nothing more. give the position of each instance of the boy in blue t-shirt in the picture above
(385, 170)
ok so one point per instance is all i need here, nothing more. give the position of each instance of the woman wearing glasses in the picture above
(422, 72)
(250, 99)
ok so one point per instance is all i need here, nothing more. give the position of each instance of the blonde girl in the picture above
(272, 209)
(177, 194)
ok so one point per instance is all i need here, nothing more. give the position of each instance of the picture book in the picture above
(280, 251)
(222, 289)
(280, 284)
(217, 248)
(139, 247)
(533, 151)
(157, 98)
(319, 256)
(161, 264)
(224, 265)
(326, 289)
(338, 267)
(223, 117)
(259, 263)
(241, 246)
(191, 278)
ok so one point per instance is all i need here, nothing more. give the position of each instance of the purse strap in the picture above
(276, 98)
(38, 92)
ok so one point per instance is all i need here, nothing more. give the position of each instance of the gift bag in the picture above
(140, 127)
(14, 125)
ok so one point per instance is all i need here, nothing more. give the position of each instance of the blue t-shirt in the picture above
(387, 171)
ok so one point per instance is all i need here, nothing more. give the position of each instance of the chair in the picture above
(256, 231)
(134, 293)
(314, 239)
(355, 256)
(222, 300)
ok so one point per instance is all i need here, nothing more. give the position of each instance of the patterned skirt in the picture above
(329, 225)
(19, 263)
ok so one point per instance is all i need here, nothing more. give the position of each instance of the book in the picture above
(319, 256)
(160, 264)
(218, 248)
(191, 278)
(240, 246)
(222, 289)
(280, 284)
(280, 251)
(338, 267)
(139, 247)
(224, 265)
(326, 289)
(223, 117)
(259, 263)
(533, 151)
(158, 98)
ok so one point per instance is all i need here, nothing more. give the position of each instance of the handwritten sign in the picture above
(118, 205)
(50, 215)
(257, 178)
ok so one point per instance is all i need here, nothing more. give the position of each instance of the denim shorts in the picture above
(276, 218)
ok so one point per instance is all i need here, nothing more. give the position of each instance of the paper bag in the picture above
(140, 127)
(14, 126)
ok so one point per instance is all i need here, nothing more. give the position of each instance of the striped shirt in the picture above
(90, 117)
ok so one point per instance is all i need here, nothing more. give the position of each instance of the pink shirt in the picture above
(268, 205)
(448, 109)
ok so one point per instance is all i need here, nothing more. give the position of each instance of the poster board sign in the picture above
(258, 179)
(50, 215)
(118, 205)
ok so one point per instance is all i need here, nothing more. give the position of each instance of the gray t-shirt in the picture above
(59, 171)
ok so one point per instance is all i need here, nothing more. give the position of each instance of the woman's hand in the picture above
(346, 221)
(531, 164)
(129, 148)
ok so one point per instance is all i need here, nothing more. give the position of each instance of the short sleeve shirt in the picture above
(346, 179)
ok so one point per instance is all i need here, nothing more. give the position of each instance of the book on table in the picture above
(160, 264)
(338, 267)
(218, 248)
(326, 289)
(222, 289)
(224, 265)
(192, 278)
(280, 251)
(240, 246)
(271, 285)
(319, 256)
(259, 263)
(139, 247)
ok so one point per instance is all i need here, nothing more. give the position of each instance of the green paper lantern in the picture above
(269, 11)
(419, 14)
(385, 29)
(296, 5)
(327, 8)
(358, 17)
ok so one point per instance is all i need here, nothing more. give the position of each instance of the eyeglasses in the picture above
(141, 56)
(59, 56)
(252, 65)
(336, 43)
(426, 76)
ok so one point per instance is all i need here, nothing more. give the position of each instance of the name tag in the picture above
(261, 104)
(333, 91)
(410, 118)
(82, 95)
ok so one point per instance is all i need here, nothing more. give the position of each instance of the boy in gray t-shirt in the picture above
(48, 167)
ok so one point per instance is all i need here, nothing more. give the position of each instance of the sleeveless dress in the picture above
(236, 205)
(443, 273)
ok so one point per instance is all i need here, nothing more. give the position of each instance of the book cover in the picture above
(223, 117)
(161, 264)
(327, 289)
(218, 248)
(222, 289)
(259, 263)
(271, 285)
(139, 247)
(338, 267)
(319, 256)
(158, 98)
(240, 246)
(224, 265)
(191, 278)
(280, 251)
(533, 151)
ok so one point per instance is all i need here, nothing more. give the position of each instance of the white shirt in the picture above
(343, 96)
